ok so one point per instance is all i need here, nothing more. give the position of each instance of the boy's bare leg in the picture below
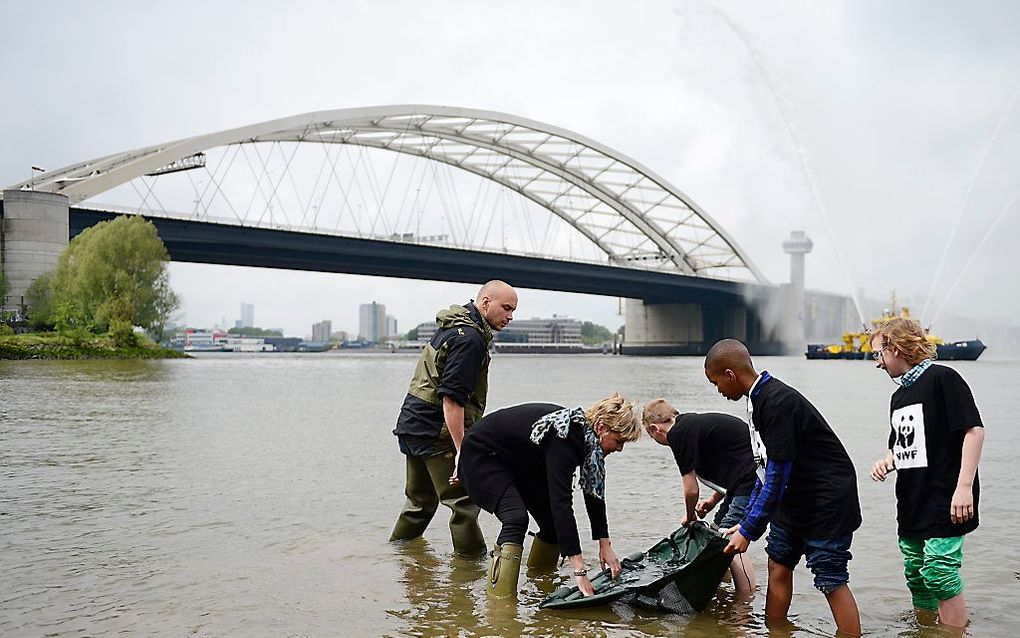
(742, 570)
(953, 612)
(844, 611)
(780, 591)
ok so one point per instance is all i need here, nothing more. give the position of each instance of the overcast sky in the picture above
(891, 108)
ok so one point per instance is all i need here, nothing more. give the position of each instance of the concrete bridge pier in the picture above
(33, 233)
(664, 329)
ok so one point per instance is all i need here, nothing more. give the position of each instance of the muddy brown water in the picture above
(252, 495)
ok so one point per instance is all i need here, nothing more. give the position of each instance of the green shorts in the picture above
(932, 568)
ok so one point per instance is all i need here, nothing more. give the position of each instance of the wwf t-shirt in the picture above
(717, 447)
(820, 501)
(928, 420)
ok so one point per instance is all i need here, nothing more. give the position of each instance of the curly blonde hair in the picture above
(617, 415)
(907, 336)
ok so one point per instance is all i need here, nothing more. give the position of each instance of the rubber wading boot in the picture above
(543, 555)
(467, 535)
(504, 570)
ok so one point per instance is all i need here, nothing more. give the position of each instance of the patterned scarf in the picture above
(593, 468)
(914, 373)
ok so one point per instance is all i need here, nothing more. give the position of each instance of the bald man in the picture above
(446, 396)
(806, 490)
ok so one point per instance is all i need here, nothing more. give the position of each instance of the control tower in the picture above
(792, 331)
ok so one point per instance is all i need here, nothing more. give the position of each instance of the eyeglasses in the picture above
(877, 354)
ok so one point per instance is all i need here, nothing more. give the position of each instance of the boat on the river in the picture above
(857, 345)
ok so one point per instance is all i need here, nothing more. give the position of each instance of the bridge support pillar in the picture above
(33, 234)
(691, 328)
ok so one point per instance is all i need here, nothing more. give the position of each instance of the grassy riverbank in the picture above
(50, 345)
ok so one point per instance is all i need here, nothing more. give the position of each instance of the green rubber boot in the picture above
(543, 555)
(504, 570)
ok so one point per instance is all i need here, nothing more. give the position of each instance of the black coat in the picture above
(497, 452)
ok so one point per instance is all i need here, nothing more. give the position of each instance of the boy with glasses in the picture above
(935, 441)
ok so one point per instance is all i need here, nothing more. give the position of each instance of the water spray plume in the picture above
(803, 156)
(977, 252)
(966, 199)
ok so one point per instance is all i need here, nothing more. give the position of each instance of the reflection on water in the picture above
(253, 495)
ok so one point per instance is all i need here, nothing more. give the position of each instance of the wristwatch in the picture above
(580, 572)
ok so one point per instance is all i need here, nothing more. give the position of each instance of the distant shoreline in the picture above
(52, 346)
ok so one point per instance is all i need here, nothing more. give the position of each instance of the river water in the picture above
(252, 496)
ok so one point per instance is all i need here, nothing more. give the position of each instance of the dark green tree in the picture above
(112, 277)
(39, 299)
(593, 333)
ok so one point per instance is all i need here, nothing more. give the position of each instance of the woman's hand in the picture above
(584, 585)
(608, 558)
(581, 574)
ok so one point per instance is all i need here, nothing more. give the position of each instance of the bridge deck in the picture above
(204, 242)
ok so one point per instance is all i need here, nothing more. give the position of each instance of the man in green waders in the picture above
(446, 396)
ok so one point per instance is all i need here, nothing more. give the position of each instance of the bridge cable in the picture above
(447, 211)
(150, 192)
(491, 189)
(258, 184)
(363, 208)
(513, 167)
(373, 189)
(198, 198)
(287, 173)
(315, 188)
(345, 192)
(458, 209)
(401, 227)
(219, 190)
(400, 138)
(403, 200)
(274, 194)
(293, 182)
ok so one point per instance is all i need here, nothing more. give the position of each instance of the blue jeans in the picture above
(731, 511)
(827, 558)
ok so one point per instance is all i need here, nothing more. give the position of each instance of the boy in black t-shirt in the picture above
(806, 490)
(715, 449)
(935, 441)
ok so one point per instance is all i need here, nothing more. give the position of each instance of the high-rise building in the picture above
(322, 331)
(391, 326)
(372, 321)
(247, 315)
(554, 330)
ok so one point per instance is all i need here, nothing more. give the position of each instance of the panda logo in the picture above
(905, 431)
(909, 445)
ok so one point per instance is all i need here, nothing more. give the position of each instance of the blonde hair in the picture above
(616, 414)
(657, 411)
(907, 336)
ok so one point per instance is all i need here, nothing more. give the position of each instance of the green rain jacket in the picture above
(447, 367)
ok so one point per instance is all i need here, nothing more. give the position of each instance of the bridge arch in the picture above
(634, 216)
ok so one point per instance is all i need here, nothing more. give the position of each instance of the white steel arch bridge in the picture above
(630, 215)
